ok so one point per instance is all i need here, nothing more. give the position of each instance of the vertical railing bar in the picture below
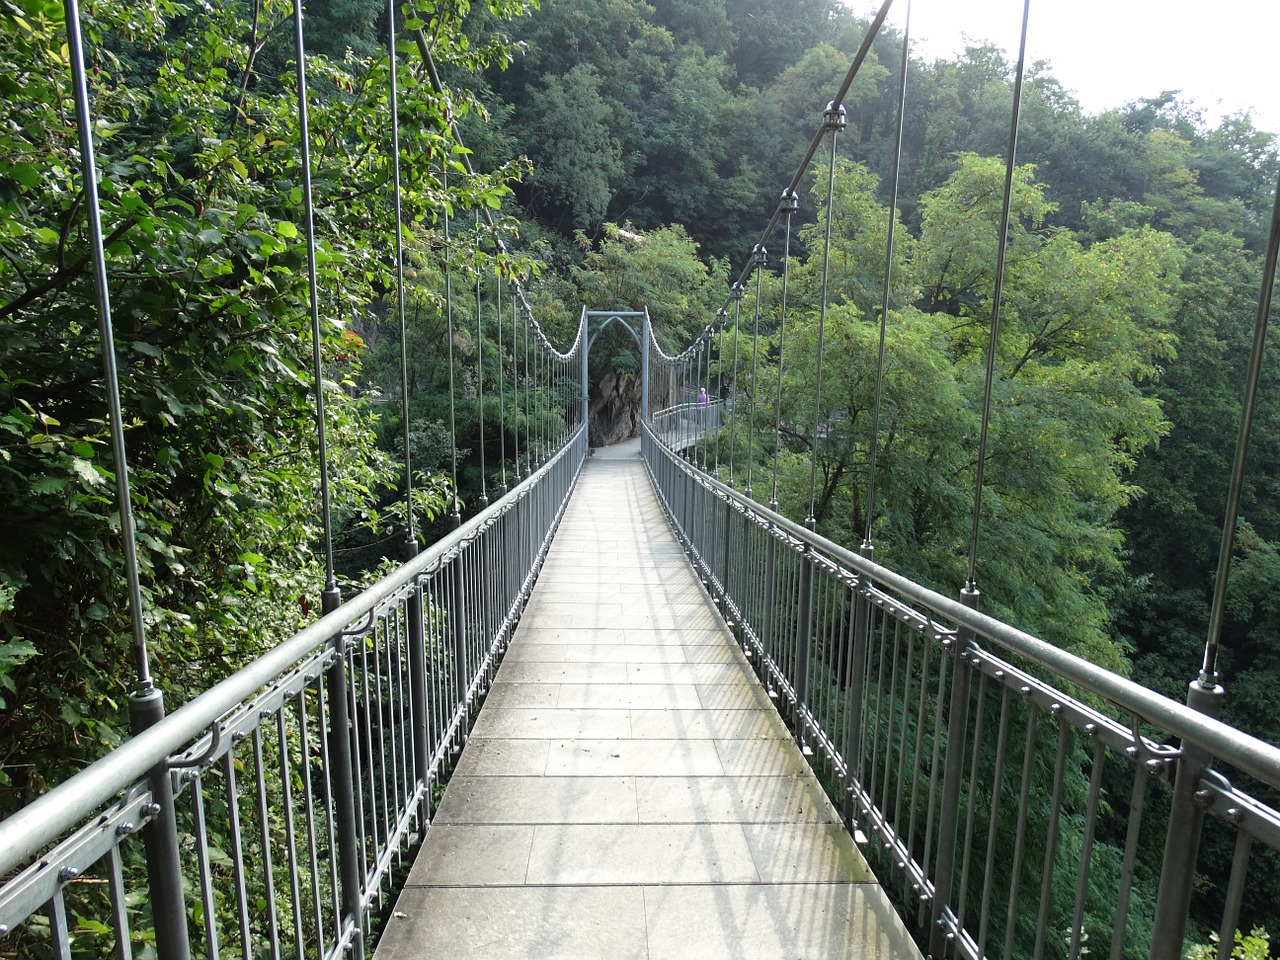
(926, 664)
(379, 748)
(119, 910)
(904, 731)
(1086, 848)
(936, 775)
(1051, 843)
(877, 725)
(1235, 893)
(309, 808)
(264, 829)
(971, 806)
(361, 744)
(1137, 804)
(997, 787)
(237, 857)
(326, 766)
(59, 934)
(290, 828)
(1019, 844)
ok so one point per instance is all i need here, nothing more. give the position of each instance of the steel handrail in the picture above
(1244, 752)
(40, 823)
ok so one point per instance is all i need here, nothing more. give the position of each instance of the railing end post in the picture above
(1182, 842)
(160, 839)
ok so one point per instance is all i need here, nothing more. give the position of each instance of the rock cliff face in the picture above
(614, 409)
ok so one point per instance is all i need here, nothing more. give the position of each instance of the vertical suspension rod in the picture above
(484, 480)
(80, 83)
(994, 336)
(789, 204)
(1209, 667)
(448, 311)
(833, 120)
(410, 536)
(759, 257)
(888, 276)
(331, 596)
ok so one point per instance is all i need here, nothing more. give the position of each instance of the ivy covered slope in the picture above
(197, 132)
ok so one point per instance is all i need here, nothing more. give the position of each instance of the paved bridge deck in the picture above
(628, 790)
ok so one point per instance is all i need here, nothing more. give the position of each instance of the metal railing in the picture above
(301, 780)
(683, 425)
(1012, 796)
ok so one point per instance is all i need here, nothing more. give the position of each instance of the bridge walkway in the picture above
(628, 790)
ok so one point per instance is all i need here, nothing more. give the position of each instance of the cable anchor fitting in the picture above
(833, 117)
(759, 256)
(789, 202)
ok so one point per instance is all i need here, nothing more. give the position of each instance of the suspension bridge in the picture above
(629, 709)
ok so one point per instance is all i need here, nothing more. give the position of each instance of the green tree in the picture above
(202, 208)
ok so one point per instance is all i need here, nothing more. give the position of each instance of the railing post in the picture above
(953, 775)
(856, 680)
(586, 392)
(418, 685)
(1182, 842)
(725, 582)
(644, 368)
(804, 615)
(160, 838)
(459, 635)
(770, 599)
(344, 790)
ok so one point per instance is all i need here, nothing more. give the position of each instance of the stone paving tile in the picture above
(749, 724)
(474, 854)
(735, 672)
(540, 800)
(830, 921)
(731, 696)
(511, 758)
(549, 723)
(565, 673)
(628, 653)
(655, 758)
(517, 923)
(638, 854)
(522, 695)
(746, 800)
(761, 758)
(788, 852)
(650, 695)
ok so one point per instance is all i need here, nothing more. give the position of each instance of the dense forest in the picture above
(1130, 298)
(630, 153)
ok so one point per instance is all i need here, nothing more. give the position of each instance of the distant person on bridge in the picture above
(702, 407)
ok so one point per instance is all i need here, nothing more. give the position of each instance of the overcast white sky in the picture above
(1224, 54)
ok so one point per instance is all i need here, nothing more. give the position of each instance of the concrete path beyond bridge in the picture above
(628, 790)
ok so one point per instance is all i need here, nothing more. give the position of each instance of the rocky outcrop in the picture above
(614, 409)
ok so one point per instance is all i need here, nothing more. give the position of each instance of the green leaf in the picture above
(87, 473)
(48, 485)
(149, 349)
